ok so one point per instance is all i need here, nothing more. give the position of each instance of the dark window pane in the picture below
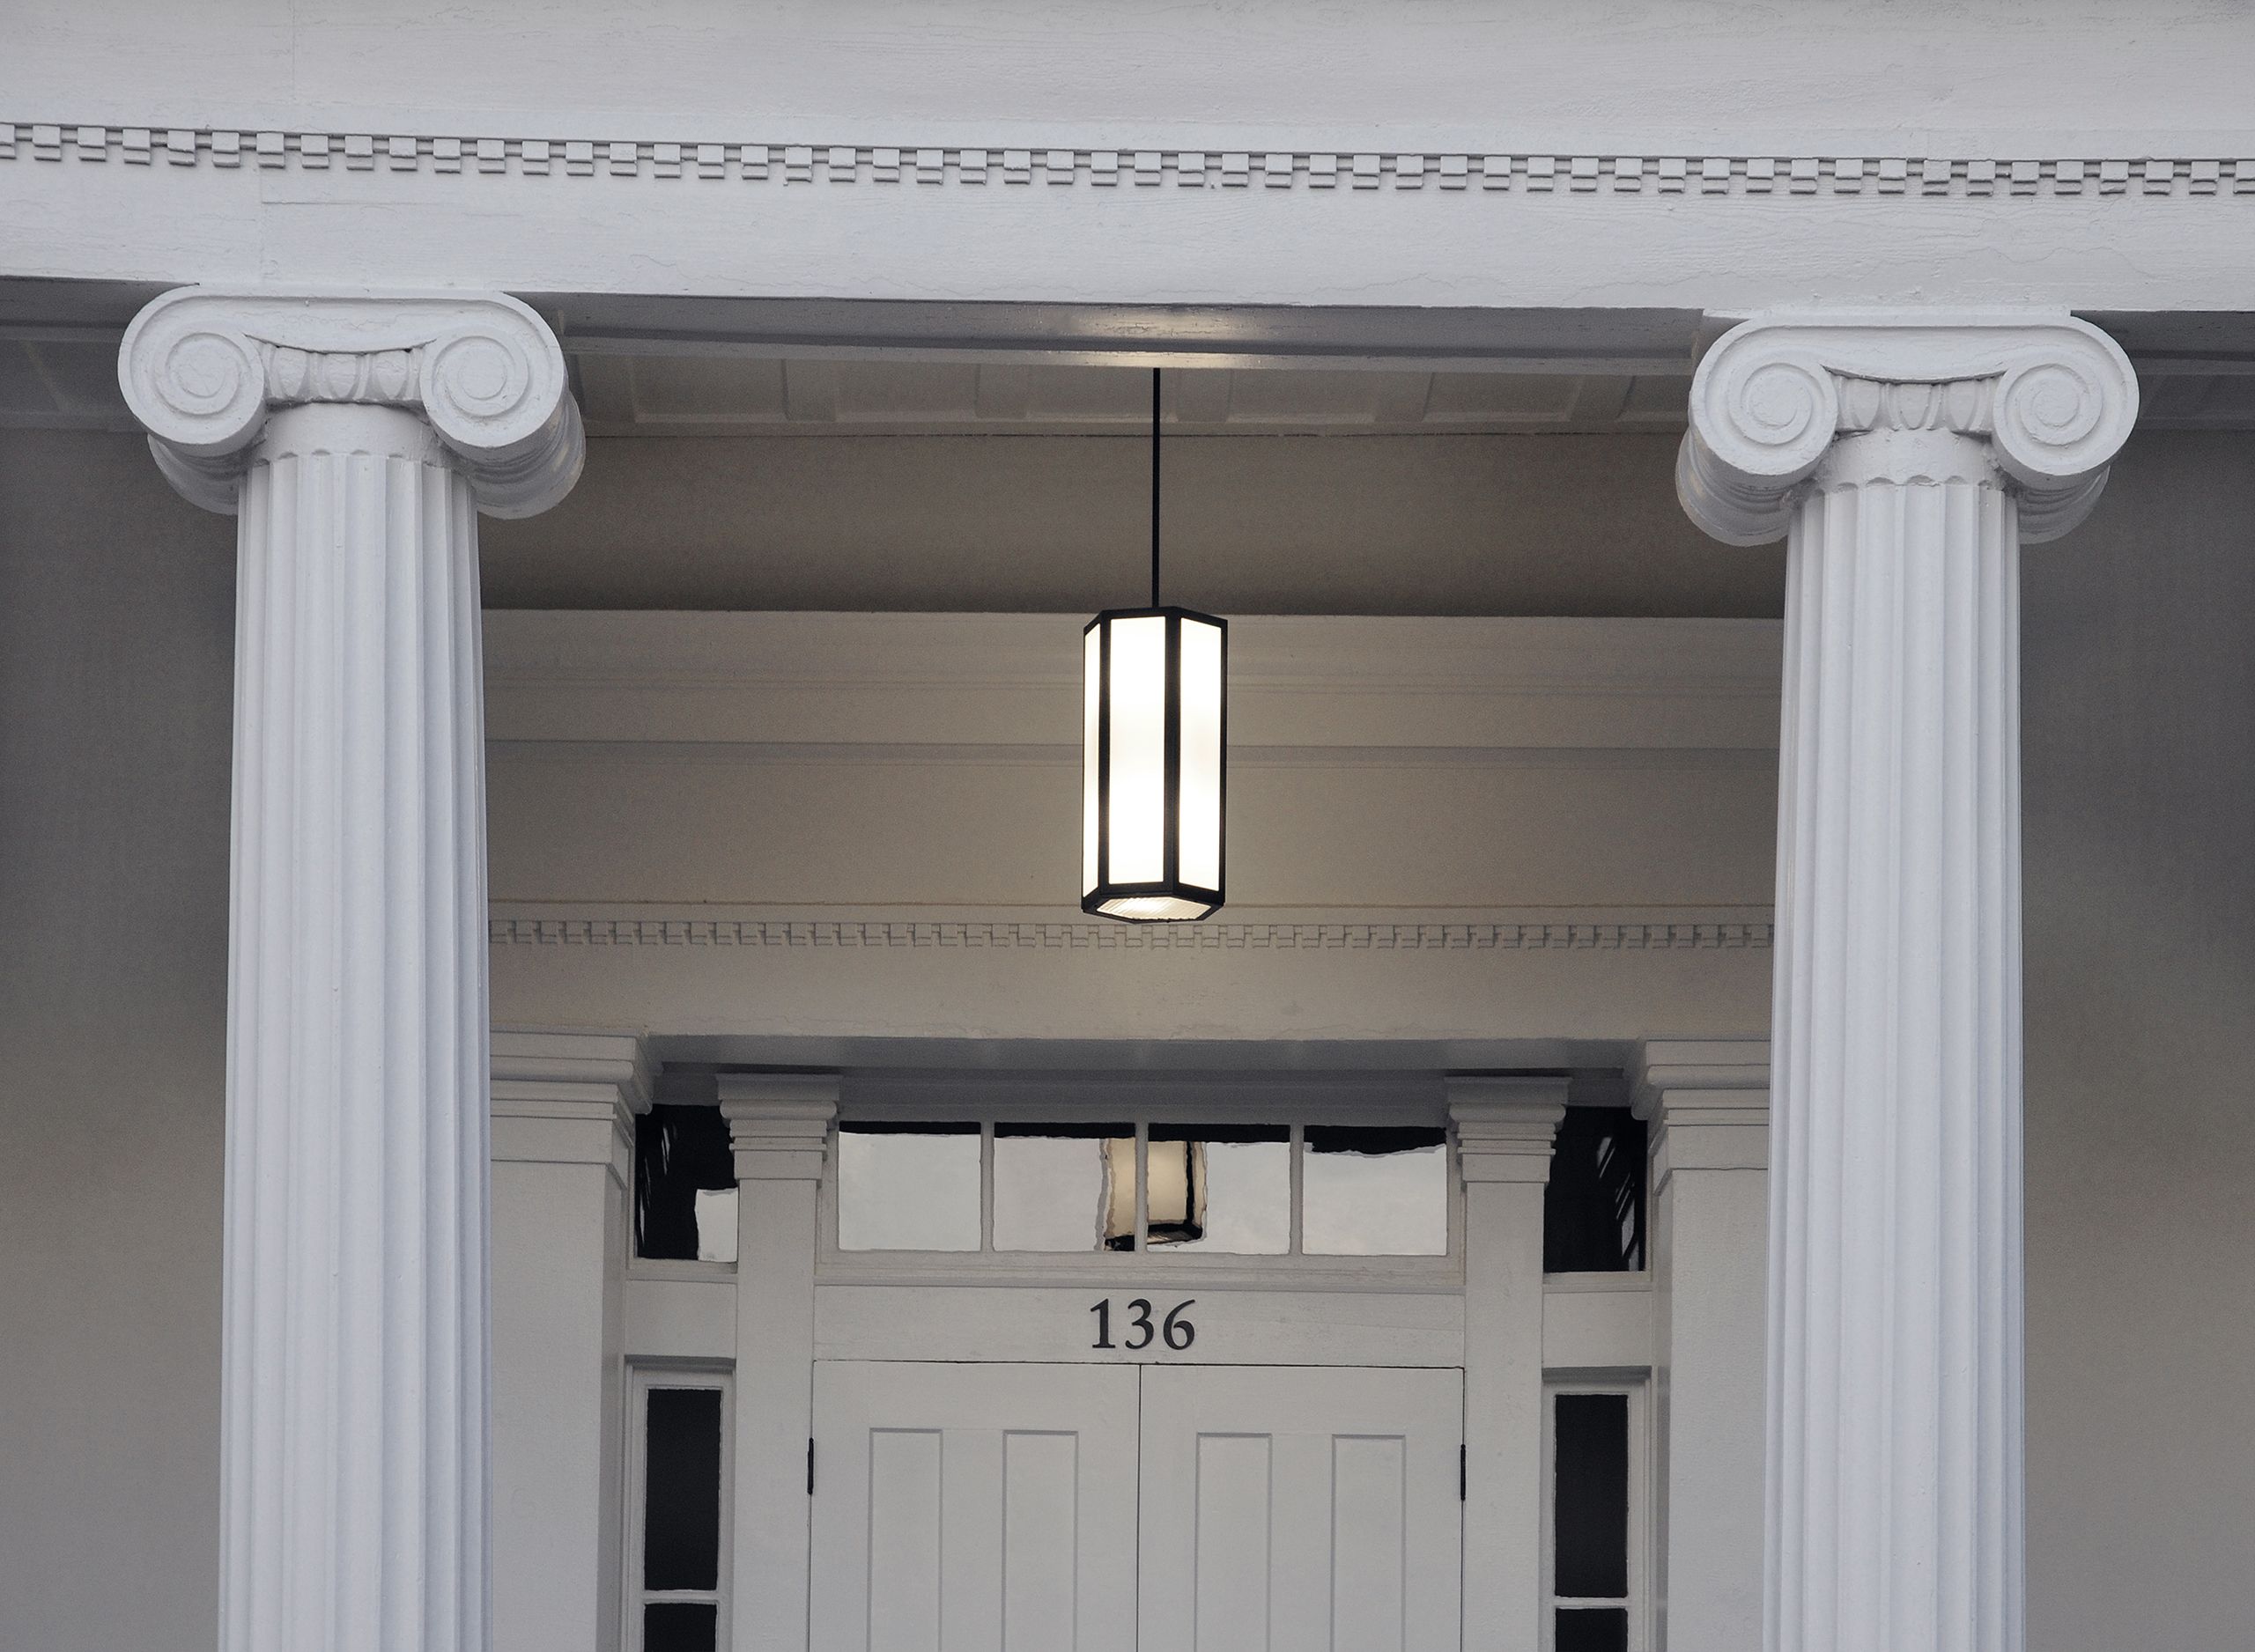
(1593, 1209)
(1589, 1629)
(683, 1627)
(1591, 1517)
(681, 1522)
(1353, 1139)
(677, 1151)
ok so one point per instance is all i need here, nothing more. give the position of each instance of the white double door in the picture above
(1126, 1509)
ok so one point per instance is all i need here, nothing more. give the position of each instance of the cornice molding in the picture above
(1505, 1127)
(204, 368)
(1617, 174)
(999, 935)
(779, 1123)
(548, 1088)
(1791, 399)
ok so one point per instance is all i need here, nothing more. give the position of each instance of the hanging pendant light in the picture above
(1152, 779)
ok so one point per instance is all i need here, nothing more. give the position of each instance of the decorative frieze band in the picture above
(1078, 937)
(1880, 175)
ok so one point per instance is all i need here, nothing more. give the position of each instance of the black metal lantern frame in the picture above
(1174, 895)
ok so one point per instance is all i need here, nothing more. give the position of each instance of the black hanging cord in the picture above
(1155, 487)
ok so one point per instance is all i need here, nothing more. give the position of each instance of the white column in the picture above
(1905, 456)
(356, 437)
(780, 1124)
(1707, 1101)
(1504, 1130)
(563, 1109)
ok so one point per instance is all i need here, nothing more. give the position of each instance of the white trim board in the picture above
(1331, 683)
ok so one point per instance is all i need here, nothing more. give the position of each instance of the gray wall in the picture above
(115, 688)
(2139, 661)
(2141, 786)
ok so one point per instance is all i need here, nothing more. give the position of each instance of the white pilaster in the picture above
(780, 1124)
(563, 1109)
(1505, 1129)
(1906, 456)
(1707, 1101)
(356, 437)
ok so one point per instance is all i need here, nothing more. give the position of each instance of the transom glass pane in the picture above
(684, 1185)
(1063, 1187)
(908, 1187)
(1240, 1182)
(1374, 1192)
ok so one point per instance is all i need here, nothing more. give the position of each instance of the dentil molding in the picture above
(2045, 398)
(204, 368)
(1066, 936)
(1613, 172)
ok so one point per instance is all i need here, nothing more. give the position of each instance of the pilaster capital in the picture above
(2044, 397)
(1505, 1127)
(1707, 1101)
(204, 368)
(779, 1123)
(567, 1097)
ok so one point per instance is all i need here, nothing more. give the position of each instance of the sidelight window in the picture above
(678, 1514)
(1590, 1524)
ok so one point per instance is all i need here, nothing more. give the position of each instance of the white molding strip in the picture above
(1004, 934)
(1948, 176)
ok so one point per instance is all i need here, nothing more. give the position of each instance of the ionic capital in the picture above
(204, 368)
(2037, 399)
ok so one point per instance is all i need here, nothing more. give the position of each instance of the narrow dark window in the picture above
(1593, 1208)
(681, 1520)
(681, 1528)
(1590, 1522)
(684, 1185)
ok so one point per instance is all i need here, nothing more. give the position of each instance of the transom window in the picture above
(1087, 1186)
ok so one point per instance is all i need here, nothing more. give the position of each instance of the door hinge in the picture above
(1462, 1472)
(810, 1468)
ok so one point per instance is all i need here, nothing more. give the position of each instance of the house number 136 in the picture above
(1176, 1331)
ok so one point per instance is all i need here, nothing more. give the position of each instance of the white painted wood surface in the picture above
(564, 1106)
(779, 1127)
(1503, 1130)
(982, 150)
(1300, 1509)
(1911, 454)
(1707, 1104)
(973, 1508)
(1234, 1326)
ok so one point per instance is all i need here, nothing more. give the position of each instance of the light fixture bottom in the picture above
(1158, 909)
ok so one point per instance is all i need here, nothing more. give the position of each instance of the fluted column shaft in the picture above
(354, 1403)
(356, 439)
(1907, 457)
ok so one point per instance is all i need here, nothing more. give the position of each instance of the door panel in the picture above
(1291, 1509)
(973, 1508)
